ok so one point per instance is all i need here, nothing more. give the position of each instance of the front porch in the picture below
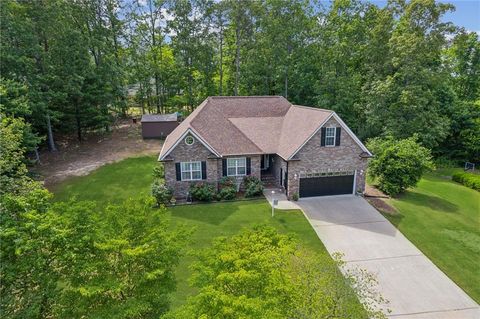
(271, 171)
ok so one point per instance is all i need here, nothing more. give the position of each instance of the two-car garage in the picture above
(327, 184)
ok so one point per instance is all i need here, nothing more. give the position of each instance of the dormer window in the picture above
(330, 136)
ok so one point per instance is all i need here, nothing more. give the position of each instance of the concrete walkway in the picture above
(283, 202)
(412, 284)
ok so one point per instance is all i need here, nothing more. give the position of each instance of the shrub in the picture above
(203, 192)
(161, 192)
(159, 171)
(253, 186)
(467, 179)
(227, 181)
(228, 193)
(249, 179)
(295, 196)
(398, 164)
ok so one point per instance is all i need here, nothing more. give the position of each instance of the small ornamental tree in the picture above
(398, 164)
(261, 273)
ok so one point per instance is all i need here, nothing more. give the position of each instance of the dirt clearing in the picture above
(75, 158)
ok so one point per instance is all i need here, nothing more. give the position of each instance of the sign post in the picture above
(274, 203)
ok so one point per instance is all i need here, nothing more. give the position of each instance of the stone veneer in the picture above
(198, 152)
(315, 158)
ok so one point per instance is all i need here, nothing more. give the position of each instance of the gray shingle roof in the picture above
(159, 117)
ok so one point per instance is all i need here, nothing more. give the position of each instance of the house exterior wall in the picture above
(157, 129)
(188, 153)
(198, 152)
(315, 158)
(278, 163)
(255, 167)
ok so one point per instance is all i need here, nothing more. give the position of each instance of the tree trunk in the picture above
(51, 142)
(77, 118)
(237, 59)
(220, 89)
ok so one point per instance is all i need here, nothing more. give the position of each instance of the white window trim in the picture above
(185, 140)
(334, 136)
(237, 166)
(190, 171)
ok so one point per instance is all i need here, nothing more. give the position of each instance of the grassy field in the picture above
(442, 218)
(132, 177)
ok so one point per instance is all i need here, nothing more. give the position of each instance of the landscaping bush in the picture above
(467, 179)
(227, 193)
(161, 192)
(203, 192)
(228, 188)
(227, 181)
(295, 196)
(159, 171)
(398, 164)
(253, 186)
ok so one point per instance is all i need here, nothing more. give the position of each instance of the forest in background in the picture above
(76, 66)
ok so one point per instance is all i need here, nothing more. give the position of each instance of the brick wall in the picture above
(315, 158)
(198, 152)
(186, 153)
(277, 164)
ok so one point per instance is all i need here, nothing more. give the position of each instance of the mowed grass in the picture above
(442, 218)
(132, 177)
(111, 183)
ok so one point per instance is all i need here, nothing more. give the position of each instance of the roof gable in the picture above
(252, 125)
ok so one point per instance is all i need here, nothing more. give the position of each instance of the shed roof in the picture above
(159, 117)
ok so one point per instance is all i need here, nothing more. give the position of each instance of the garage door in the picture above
(326, 185)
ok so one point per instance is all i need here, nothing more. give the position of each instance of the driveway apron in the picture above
(413, 285)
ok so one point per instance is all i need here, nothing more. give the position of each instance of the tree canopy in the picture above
(395, 70)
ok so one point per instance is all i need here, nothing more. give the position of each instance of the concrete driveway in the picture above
(414, 286)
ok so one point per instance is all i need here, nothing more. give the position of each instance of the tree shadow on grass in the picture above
(209, 213)
(435, 203)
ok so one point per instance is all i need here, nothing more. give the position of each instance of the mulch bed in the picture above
(382, 206)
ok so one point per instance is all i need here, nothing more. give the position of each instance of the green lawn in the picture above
(132, 177)
(442, 218)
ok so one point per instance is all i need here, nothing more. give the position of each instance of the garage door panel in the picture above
(328, 185)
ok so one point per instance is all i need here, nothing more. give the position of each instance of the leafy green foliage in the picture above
(227, 193)
(71, 259)
(467, 179)
(398, 164)
(202, 191)
(159, 171)
(260, 273)
(161, 192)
(73, 67)
(227, 188)
(130, 252)
(253, 186)
(295, 196)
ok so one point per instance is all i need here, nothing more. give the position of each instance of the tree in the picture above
(28, 283)
(398, 164)
(410, 99)
(260, 273)
(121, 262)
(14, 103)
(463, 62)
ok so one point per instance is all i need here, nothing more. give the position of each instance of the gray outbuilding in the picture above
(158, 125)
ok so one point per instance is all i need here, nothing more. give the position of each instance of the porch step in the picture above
(269, 181)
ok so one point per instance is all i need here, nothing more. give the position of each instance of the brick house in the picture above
(304, 150)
